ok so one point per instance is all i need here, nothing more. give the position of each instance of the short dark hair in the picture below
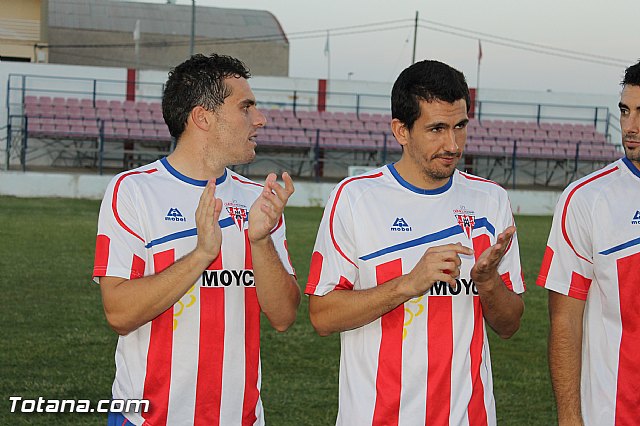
(427, 81)
(198, 81)
(632, 75)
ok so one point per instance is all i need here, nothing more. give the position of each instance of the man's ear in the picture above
(400, 131)
(201, 118)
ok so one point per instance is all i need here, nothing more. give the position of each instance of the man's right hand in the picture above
(439, 263)
(207, 216)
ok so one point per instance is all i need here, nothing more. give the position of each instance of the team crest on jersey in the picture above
(636, 218)
(466, 219)
(238, 213)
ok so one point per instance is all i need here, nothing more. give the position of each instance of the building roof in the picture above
(170, 19)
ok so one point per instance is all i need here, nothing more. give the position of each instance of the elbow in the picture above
(283, 325)
(319, 326)
(507, 333)
(119, 324)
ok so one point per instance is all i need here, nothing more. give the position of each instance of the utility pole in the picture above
(415, 39)
(193, 27)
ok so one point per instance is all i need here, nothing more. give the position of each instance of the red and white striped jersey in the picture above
(199, 361)
(427, 361)
(593, 254)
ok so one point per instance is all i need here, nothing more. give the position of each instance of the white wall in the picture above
(307, 194)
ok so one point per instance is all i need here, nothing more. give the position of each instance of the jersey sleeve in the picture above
(333, 262)
(120, 247)
(279, 238)
(567, 266)
(510, 267)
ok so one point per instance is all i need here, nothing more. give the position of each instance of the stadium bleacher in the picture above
(137, 126)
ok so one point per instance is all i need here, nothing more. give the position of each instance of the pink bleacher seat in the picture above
(31, 100)
(163, 134)
(129, 105)
(540, 135)
(287, 113)
(142, 106)
(102, 103)
(357, 125)
(147, 125)
(478, 132)
(517, 133)
(376, 116)
(86, 103)
(339, 115)
(371, 126)
(279, 122)
(319, 123)
(32, 110)
(75, 112)
(384, 126)
(77, 130)
(331, 124)
(344, 124)
(155, 107)
(59, 101)
(292, 122)
(73, 102)
(118, 114)
(553, 135)
(88, 113)
(306, 123)
(145, 115)
(44, 100)
(59, 111)
(115, 104)
(506, 132)
(103, 113)
(565, 135)
(150, 134)
(137, 133)
(48, 128)
(351, 116)
(494, 132)
(33, 126)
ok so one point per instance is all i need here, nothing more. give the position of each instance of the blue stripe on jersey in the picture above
(186, 233)
(117, 419)
(429, 238)
(187, 179)
(631, 166)
(622, 246)
(414, 188)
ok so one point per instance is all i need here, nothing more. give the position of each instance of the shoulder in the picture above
(359, 184)
(589, 188)
(130, 179)
(484, 187)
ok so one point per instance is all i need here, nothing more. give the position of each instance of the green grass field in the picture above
(56, 343)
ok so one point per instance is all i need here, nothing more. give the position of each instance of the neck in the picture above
(416, 177)
(194, 163)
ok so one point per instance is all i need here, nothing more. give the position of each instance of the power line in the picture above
(522, 42)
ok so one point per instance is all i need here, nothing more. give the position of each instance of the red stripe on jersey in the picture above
(252, 355)
(469, 177)
(506, 279)
(477, 410)
(480, 244)
(344, 284)
(248, 260)
(333, 211)
(246, 182)
(389, 375)
(628, 392)
(440, 355)
(579, 286)
(566, 207)
(137, 267)
(210, 353)
(101, 259)
(157, 381)
(286, 247)
(114, 201)
(314, 272)
(280, 222)
(546, 265)
(251, 343)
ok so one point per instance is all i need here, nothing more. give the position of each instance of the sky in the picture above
(380, 45)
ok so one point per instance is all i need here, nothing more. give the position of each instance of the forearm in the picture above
(565, 358)
(278, 292)
(129, 304)
(502, 308)
(341, 310)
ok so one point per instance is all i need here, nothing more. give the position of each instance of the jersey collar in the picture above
(632, 167)
(414, 188)
(187, 179)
